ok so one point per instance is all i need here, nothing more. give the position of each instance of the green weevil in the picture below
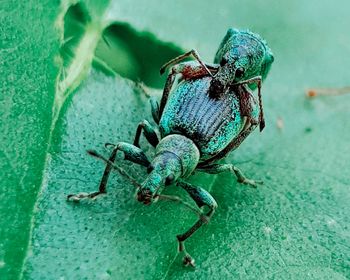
(203, 115)
(243, 57)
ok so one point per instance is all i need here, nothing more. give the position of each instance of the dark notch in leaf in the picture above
(76, 20)
(134, 55)
(121, 49)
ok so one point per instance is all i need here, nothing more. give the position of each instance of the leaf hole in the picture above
(134, 55)
(75, 21)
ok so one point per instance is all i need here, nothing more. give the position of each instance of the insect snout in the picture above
(145, 196)
(216, 88)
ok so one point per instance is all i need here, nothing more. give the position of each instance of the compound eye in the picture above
(223, 61)
(239, 72)
(169, 180)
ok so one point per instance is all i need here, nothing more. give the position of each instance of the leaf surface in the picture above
(294, 226)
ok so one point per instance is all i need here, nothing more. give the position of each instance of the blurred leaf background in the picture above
(67, 72)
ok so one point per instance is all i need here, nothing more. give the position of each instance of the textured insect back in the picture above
(246, 50)
(225, 45)
(183, 148)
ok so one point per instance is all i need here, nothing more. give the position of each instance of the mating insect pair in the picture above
(205, 115)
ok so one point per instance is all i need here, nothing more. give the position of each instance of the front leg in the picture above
(155, 110)
(176, 60)
(258, 81)
(248, 107)
(131, 153)
(234, 144)
(188, 70)
(149, 133)
(219, 168)
(201, 198)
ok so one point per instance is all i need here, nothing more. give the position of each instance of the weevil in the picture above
(203, 115)
(243, 57)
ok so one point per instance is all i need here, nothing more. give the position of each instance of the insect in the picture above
(243, 57)
(202, 116)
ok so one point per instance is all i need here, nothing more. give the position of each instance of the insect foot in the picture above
(80, 196)
(220, 168)
(188, 261)
(249, 182)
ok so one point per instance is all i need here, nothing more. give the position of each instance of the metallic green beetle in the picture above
(207, 114)
(243, 57)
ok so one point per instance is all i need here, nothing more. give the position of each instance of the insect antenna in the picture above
(177, 199)
(115, 167)
(121, 171)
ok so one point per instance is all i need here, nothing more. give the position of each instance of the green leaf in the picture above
(294, 226)
(26, 100)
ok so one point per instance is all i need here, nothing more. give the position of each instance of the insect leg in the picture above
(219, 168)
(230, 147)
(168, 85)
(176, 60)
(149, 133)
(177, 199)
(248, 107)
(202, 198)
(257, 80)
(131, 153)
(188, 70)
(155, 110)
